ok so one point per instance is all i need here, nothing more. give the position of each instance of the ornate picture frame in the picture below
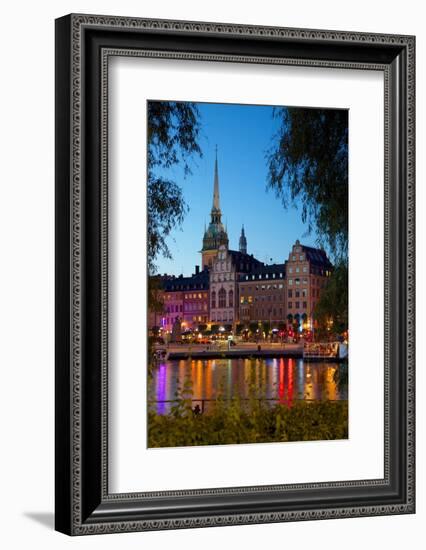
(84, 44)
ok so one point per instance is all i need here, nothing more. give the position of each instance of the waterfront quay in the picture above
(245, 350)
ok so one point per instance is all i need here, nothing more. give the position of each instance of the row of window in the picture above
(301, 258)
(265, 314)
(222, 317)
(222, 277)
(297, 281)
(191, 306)
(262, 287)
(297, 305)
(265, 276)
(195, 296)
(221, 295)
(297, 269)
(198, 318)
(222, 266)
(174, 308)
(267, 298)
(304, 292)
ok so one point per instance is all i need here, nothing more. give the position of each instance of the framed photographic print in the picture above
(234, 274)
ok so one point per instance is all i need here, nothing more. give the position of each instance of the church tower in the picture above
(215, 235)
(243, 242)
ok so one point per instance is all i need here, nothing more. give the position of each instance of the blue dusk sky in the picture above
(243, 134)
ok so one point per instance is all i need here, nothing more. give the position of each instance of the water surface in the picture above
(281, 380)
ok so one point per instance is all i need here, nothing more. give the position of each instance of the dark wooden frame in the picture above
(83, 46)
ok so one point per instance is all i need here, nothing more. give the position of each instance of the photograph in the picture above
(235, 276)
(247, 255)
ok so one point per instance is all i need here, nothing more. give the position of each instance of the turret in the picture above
(243, 242)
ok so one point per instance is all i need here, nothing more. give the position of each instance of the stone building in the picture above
(225, 273)
(188, 299)
(173, 304)
(263, 295)
(307, 270)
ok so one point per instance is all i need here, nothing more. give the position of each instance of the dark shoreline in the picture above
(247, 354)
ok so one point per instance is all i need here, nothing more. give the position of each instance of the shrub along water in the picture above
(253, 421)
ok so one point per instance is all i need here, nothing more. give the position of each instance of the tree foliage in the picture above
(331, 310)
(309, 165)
(173, 132)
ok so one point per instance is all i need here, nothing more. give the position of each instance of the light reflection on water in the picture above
(283, 379)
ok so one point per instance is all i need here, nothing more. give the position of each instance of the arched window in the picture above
(231, 298)
(213, 299)
(222, 297)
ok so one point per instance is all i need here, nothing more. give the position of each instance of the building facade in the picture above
(234, 287)
(186, 299)
(227, 268)
(263, 296)
(307, 270)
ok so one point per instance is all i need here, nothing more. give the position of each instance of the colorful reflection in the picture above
(281, 380)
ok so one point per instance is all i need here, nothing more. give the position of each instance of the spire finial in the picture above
(216, 201)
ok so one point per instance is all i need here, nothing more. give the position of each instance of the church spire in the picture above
(243, 241)
(215, 235)
(216, 199)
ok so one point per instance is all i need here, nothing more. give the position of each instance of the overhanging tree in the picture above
(173, 133)
(308, 166)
